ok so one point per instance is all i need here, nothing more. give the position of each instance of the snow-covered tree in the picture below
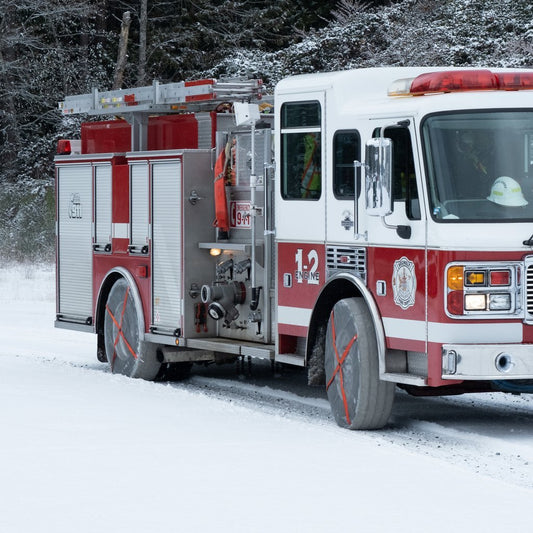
(50, 48)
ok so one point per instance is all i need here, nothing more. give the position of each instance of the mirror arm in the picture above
(404, 232)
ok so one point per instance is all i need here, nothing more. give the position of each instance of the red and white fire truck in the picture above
(373, 225)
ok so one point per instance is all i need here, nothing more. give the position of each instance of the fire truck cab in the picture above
(373, 225)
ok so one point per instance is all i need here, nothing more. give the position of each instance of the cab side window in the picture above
(346, 150)
(404, 187)
(301, 148)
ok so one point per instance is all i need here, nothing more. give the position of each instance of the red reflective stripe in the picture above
(199, 82)
(198, 97)
(119, 327)
(338, 368)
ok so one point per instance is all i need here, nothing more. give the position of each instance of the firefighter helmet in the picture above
(507, 191)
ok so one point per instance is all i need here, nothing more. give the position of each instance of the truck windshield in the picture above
(480, 166)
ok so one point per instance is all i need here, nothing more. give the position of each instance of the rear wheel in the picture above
(358, 398)
(126, 352)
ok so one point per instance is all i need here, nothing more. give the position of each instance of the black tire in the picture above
(125, 351)
(358, 398)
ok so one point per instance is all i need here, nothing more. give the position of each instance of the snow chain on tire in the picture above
(358, 398)
(126, 353)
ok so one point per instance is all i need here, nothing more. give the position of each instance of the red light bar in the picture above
(461, 80)
(64, 147)
(454, 80)
(514, 81)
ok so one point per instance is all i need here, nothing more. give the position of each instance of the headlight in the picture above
(500, 302)
(475, 290)
(475, 302)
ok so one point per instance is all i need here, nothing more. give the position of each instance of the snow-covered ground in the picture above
(82, 450)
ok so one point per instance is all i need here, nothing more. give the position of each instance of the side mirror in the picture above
(378, 182)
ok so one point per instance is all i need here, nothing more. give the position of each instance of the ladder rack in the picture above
(162, 98)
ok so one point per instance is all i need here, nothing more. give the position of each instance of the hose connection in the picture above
(222, 299)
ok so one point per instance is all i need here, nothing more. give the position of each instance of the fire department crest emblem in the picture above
(404, 283)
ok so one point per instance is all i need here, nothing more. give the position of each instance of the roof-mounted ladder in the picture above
(135, 105)
(162, 98)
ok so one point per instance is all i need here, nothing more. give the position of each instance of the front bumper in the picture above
(487, 361)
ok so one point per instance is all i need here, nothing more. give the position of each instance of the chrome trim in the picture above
(514, 289)
(168, 340)
(74, 326)
(487, 361)
(356, 260)
(406, 379)
(528, 289)
(374, 312)
(290, 359)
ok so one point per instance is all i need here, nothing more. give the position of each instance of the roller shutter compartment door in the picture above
(139, 206)
(102, 210)
(166, 246)
(74, 211)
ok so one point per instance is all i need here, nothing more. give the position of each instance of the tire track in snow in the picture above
(490, 434)
(487, 436)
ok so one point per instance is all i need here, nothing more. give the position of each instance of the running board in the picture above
(247, 349)
(290, 359)
(406, 379)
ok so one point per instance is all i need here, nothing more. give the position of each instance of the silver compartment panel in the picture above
(75, 264)
(166, 245)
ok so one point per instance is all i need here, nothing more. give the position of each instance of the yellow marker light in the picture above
(215, 251)
(455, 278)
(475, 302)
(475, 278)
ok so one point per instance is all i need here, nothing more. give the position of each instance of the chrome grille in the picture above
(342, 258)
(529, 287)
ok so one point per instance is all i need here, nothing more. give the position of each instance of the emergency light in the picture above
(461, 81)
(68, 146)
(481, 289)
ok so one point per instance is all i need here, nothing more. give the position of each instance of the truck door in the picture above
(301, 206)
(300, 214)
(396, 252)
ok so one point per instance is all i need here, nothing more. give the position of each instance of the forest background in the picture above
(52, 48)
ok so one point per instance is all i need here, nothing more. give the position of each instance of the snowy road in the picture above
(83, 450)
(490, 434)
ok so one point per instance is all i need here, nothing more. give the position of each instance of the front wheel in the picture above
(126, 352)
(358, 398)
